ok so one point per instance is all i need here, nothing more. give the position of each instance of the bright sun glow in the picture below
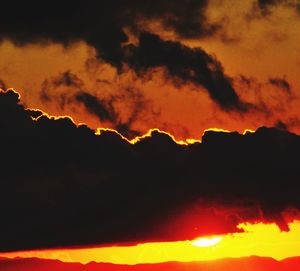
(265, 240)
(206, 242)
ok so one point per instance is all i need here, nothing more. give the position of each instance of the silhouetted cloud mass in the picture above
(62, 185)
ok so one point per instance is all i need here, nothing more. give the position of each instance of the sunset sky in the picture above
(148, 132)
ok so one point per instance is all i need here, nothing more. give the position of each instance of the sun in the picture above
(206, 241)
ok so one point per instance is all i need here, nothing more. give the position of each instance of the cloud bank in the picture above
(62, 185)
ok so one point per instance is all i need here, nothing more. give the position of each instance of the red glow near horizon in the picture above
(265, 240)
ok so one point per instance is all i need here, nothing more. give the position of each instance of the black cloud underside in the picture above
(61, 185)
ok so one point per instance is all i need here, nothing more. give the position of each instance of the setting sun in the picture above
(207, 242)
(150, 135)
(264, 240)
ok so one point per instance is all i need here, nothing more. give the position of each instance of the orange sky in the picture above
(261, 48)
(252, 50)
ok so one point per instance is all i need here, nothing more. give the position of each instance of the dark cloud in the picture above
(183, 64)
(281, 126)
(62, 185)
(138, 104)
(187, 64)
(266, 5)
(186, 18)
(104, 110)
(288, 124)
(67, 89)
(281, 83)
(266, 99)
(65, 79)
(101, 25)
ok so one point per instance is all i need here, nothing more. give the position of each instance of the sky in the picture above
(132, 123)
(69, 55)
